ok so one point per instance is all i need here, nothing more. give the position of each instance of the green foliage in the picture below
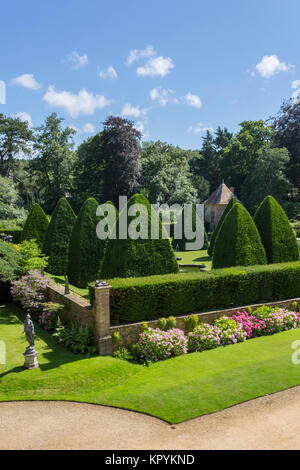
(78, 338)
(15, 233)
(191, 322)
(171, 323)
(57, 238)
(144, 325)
(85, 248)
(141, 257)
(145, 299)
(276, 232)
(123, 354)
(9, 262)
(229, 206)
(196, 224)
(162, 323)
(10, 201)
(116, 337)
(238, 242)
(36, 225)
(31, 257)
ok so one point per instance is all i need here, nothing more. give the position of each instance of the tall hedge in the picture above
(181, 243)
(36, 225)
(238, 242)
(57, 238)
(276, 232)
(85, 248)
(140, 257)
(229, 206)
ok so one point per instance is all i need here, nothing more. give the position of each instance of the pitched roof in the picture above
(222, 195)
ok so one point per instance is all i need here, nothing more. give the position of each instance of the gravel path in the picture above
(271, 422)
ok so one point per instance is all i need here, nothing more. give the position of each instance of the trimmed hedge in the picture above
(57, 238)
(36, 225)
(85, 248)
(238, 242)
(276, 232)
(141, 257)
(15, 233)
(181, 243)
(229, 206)
(150, 298)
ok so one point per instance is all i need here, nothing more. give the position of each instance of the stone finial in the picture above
(67, 287)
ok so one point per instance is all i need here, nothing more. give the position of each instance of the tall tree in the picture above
(15, 139)
(120, 148)
(53, 161)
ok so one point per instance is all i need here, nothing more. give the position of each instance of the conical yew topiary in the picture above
(213, 238)
(57, 238)
(196, 224)
(85, 248)
(36, 225)
(276, 232)
(142, 256)
(238, 242)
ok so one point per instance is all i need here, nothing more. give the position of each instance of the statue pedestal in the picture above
(31, 360)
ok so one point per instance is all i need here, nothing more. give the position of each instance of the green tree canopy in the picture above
(57, 238)
(238, 242)
(276, 232)
(10, 201)
(36, 225)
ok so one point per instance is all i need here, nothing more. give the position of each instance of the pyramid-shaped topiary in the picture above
(36, 225)
(181, 243)
(138, 257)
(57, 238)
(85, 248)
(229, 206)
(238, 242)
(276, 232)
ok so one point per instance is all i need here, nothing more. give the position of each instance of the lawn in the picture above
(174, 390)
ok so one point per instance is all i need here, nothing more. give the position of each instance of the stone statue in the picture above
(29, 332)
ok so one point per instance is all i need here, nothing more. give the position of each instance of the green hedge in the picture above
(15, 233)
(36, 225)
(149, 298)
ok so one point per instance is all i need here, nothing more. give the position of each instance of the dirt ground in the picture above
(271, 422)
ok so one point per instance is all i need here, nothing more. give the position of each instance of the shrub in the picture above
(29, 291)
(229, 206)
(134, 300)
(9, 268)
(31, 258)
(238, 242)
(36, 225)
(78, 338)
(191, 322)
(49, 316)
(141, 257)
(196, 223)
(276, 232)
(116, 337)
(204, 337)
(156, 345)
(85, 249)
(230, 331)
(15, 233)
(57, 238)
(123, 354)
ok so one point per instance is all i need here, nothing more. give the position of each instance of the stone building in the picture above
(215, 205)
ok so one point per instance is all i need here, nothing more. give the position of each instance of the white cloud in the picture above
(270, 65)
(110, 72)
(192, 100)
(296, 94)
(156, 66)
(296, 84)
(163, 96)
(77, 61)
(133, 111)
(74, 104)
(199, 128)
(137, 54)
(23, 116)
(27, 81)
(88, 128)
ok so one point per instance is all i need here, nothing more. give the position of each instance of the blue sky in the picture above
(175, 67)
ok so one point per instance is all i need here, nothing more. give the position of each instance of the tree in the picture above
(57, 238)
(15, 139)
(10, 201)
(238, 242)
(165, 174)
(267, 177)
(54, 160)
(218, 227)
(197, 224)
(36, 225)
(85, 248)
(287, 134)
(120, 148)
(142, 256)
(276, 232)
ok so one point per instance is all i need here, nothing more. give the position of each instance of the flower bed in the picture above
(155, 344)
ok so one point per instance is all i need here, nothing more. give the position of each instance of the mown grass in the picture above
(173, 390)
